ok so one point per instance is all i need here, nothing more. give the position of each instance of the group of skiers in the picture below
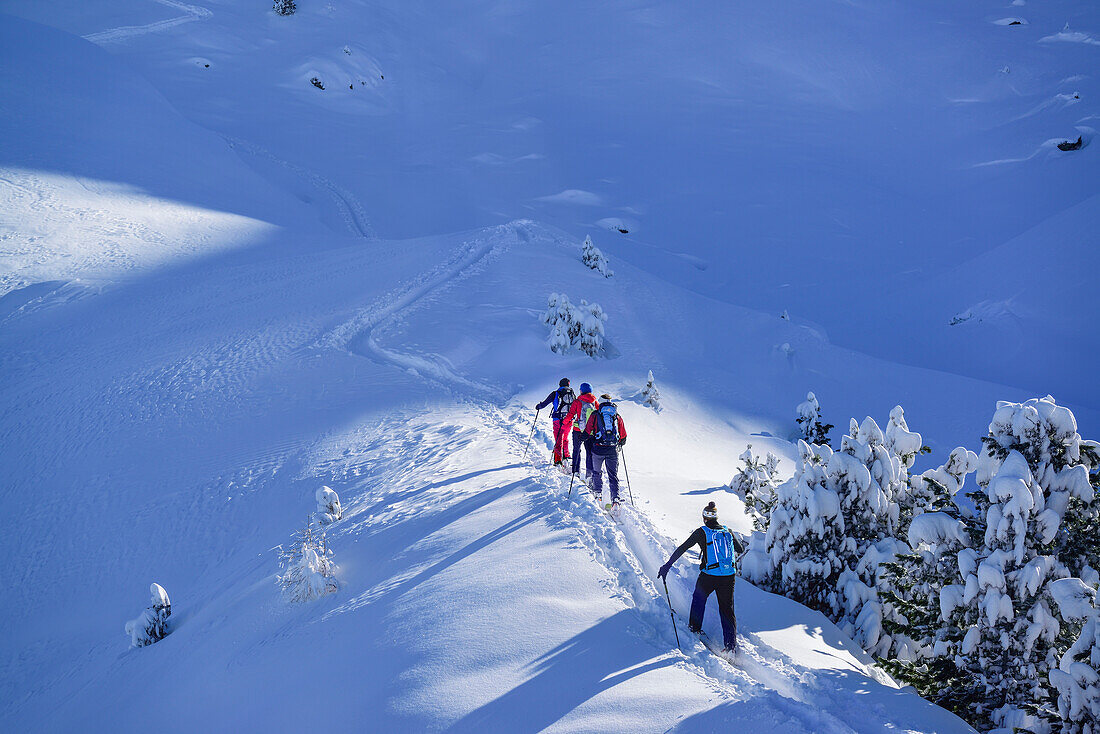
(595, 425)
(583, 421)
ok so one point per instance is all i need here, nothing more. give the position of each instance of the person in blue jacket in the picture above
(718, 552)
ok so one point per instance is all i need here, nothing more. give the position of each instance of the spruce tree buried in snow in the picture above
(650, 396)
(152, 624)
(755, 483)
(308, 570)
(993, 575)
(809, 421)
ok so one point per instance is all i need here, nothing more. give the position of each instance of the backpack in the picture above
(607, 425)
(565, 399)
(721, 560)
(588, 407)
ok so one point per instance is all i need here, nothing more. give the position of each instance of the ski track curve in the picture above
(631, 545)
(122, 33)
(359, 334)
(351, 211)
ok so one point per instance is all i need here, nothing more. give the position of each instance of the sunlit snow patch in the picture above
(55, 227)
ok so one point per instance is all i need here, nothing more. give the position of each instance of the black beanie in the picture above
(564, 382)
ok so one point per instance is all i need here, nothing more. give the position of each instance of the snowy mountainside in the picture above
(172, 423)
(885, 144)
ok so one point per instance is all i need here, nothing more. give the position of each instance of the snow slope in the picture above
(197, 330)
(766, 155)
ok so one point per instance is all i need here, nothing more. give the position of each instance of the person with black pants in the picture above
(718, 552)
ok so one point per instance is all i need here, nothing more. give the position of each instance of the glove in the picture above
(622, 442)
(664, 571)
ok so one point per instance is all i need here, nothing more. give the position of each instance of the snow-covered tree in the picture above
(919, 614)
(809, 420)
(574, 327)
(284, 7)
(755, 483)
(1030, 469)
(308, 570)
(923, 590)
(595, 259)
(651, 397)
(559, 316)
(152, 624)
(329, 509)
(801, 553)
(590, 338)
(1077, 677)
(866, 476)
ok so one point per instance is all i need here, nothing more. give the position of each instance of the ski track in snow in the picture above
(113, 35)
(351, 211)
(358, 335)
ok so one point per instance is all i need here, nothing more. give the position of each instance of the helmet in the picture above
(710, 512)
(585, 387)
(564, 382)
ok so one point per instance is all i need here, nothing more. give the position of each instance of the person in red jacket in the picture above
(607, 433)
(579, 413)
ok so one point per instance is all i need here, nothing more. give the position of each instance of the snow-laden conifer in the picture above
(152, 624)
(574, 327)
(1030, 469)
(329, 509)
(809, 420)
(284, 7)
(801, 550)
(755, 483)
(308, 570)
(867, 478)
(650, 396)
(1077, 677)
(595, 259)
(590, 337)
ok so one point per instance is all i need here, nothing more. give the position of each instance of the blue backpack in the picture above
(607, 425)
(720, 556)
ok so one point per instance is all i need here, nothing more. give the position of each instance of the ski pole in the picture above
(532, 433)
(630, 493)
(672, 614)
(571, 478)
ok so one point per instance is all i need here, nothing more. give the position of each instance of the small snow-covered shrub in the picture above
(152, 624)
(809, 420)
(574, 327)
(284, 7)
(308, 570)
(650, 396)
(329, 509)
(595, 259)
(755, 483)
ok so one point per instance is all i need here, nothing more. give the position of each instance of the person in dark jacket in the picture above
(562, 400)
(718, 552)
(604, 433)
